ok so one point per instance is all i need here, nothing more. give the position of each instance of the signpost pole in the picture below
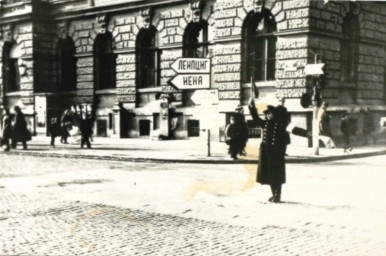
(315, 121)
(208, 142)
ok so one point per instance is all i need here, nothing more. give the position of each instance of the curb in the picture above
(194, 161)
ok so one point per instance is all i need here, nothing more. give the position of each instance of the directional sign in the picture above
(191, 65)
(205, 97)
(191, 81)
(314, 69)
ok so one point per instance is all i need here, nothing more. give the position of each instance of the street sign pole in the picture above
(315, 122)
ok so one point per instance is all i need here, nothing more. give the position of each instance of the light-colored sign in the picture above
(191, 65)
(205, 97)
(314, 69)
(191, 81)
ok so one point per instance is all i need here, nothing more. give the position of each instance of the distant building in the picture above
(113, 59)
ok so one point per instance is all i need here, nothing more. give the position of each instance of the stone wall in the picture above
(328, 19)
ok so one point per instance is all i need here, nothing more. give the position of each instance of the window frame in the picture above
(67, 69)
(10, 69)
(192, 32)
(349, 48)
(266, 48)
(104, 62)
(147, 44)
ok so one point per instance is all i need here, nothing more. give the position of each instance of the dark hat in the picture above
(271, 109)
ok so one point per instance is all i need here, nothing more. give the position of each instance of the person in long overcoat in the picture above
(368, 126)
(271, 168)
(236, 135)
(55, 130)
(7, 129)
(86, 125)
(20, 132)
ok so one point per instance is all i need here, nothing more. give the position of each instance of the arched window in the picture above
(259, 46)
(66, 64)
(11, 61)
(105, 62)
(195, 41)
(147, 58)
(349, 48)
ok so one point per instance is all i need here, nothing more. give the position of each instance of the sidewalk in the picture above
(182, 151)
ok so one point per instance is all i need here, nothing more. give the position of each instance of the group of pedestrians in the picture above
(71, 124)
(14, 129)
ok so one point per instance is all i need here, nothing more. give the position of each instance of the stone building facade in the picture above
(113, 59)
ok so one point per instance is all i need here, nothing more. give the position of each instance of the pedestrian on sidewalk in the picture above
(66, 125)
(20, 132)
(55, 130)
(86, 125)
(6, 133)
(236, 134)
(325, 134)
(345, 129)
(271, 168)
(368, 126)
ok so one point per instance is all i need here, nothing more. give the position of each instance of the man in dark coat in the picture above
(20, 132)
(86, 125)
(236, 135)
(368, 126)
(7, 129)
(345, 129)
(55, 130)
(271, 168)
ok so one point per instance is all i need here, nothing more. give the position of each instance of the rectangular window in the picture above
(193, 128)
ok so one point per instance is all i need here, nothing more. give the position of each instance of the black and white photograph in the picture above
(192, 128)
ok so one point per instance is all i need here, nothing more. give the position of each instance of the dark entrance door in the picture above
(144, 127)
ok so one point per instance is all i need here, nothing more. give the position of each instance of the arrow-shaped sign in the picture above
(314, 69)
(205, 97)
(191, 65)
(191, 81)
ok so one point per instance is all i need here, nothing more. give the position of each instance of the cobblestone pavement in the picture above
(45, 221)
(53, 227)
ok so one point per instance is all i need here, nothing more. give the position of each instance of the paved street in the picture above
(58, 206)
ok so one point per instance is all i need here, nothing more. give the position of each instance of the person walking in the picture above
(6, 134)
(66, 125)
(368, 126)
(325, 134)
(55, 130)
(86, 125)
(20, 132)
(345, 129)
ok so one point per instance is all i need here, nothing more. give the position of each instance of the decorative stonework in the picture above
(63, 29)
(102, 22)
(147, 17)
(7, 32)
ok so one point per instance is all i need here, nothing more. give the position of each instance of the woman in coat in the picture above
(271, 169)
(20, 132)
(236, 135)
(7, 129)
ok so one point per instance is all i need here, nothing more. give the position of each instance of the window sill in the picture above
(106, 91)
(17, 93)
(149, 90)
(260, 84)
(348, 84)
